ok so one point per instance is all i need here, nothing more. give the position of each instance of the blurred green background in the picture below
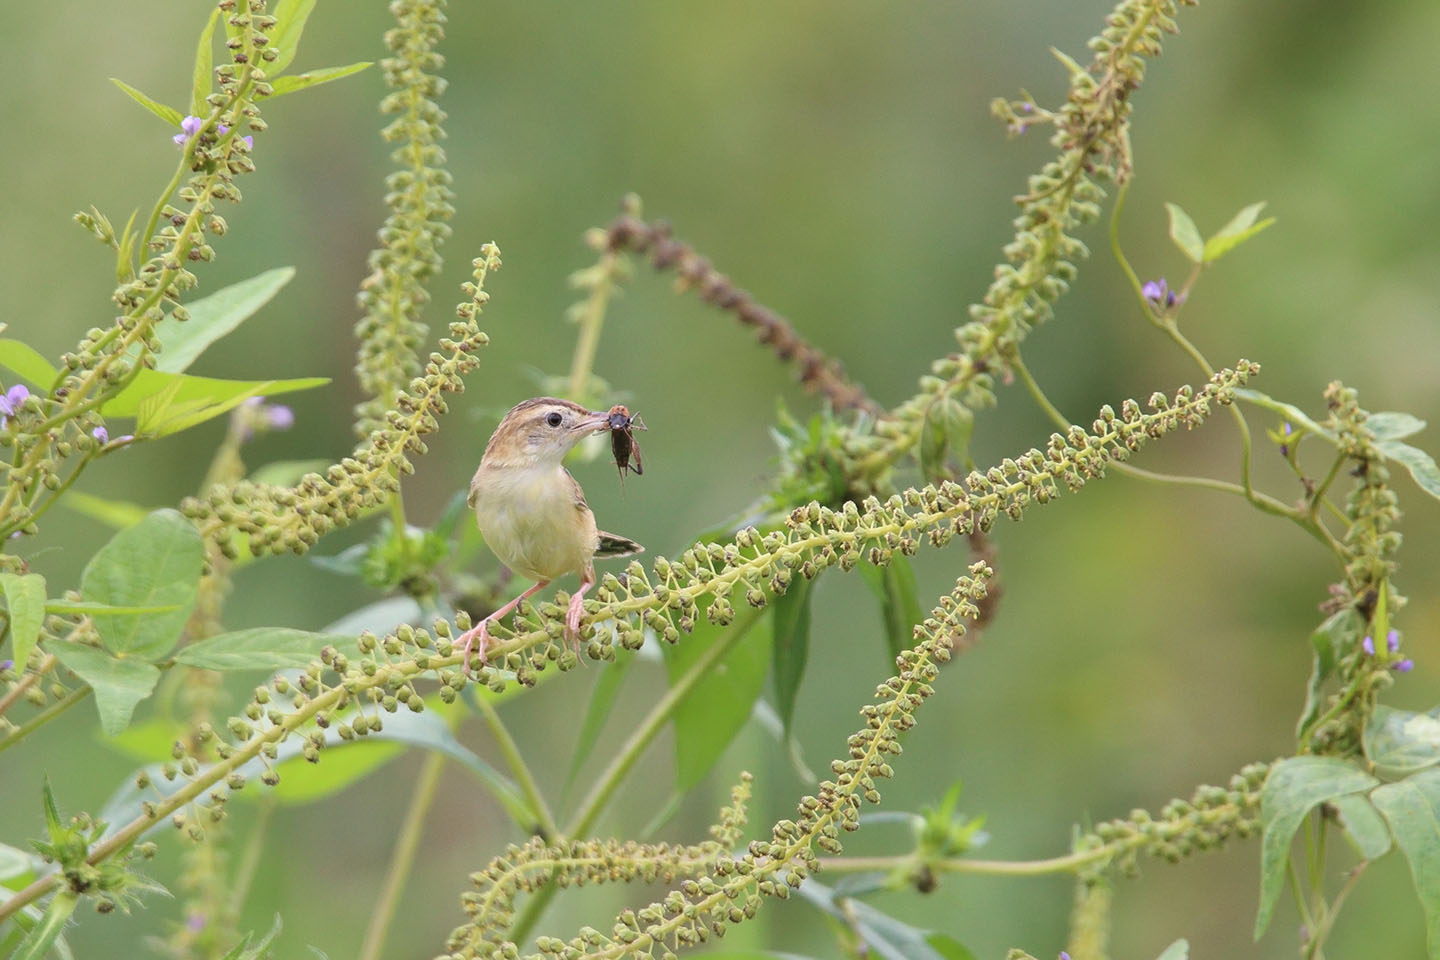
(837, 159)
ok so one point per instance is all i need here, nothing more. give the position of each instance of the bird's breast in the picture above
(530, 520)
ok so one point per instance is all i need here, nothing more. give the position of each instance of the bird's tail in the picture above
(614, 545)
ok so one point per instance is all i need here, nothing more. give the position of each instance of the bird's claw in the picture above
(572, 621)
(467, 639)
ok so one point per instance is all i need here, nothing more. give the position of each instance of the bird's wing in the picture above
(614, 545)
(576, 494)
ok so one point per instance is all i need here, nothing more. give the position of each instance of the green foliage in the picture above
(1296, 786)
(791, 648)
(157, 562)
(169, 114)
(894, 586)
(25, 610)
(119, 685)
(213, 316)
(260, 648)
(1412, 808)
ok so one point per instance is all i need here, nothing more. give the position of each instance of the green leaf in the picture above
(157, 562)
(44, 934)
(313, 78)
(894, 585)
(1179, 950)
(22, 359)
(214, 316)
(1393, 425)
(119, 685)
(1337, 633)
(1296, 786)
(25, 601)
(169, 114)
(204, 67)
(1185, 234)
(887, 937)
(1289, 411)
(1240, 228)
(290, 17)
(64, 607)
(261, 648)
(1420, 464)
(1412, 808)
(244, 951)
(196, 399)
(932, 445)
(1363, 826)
(117, 514)
(718, 705)
(602, 701)
(1400, 742)
(792, 647)
(949, 948)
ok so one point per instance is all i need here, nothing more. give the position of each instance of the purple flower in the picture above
(10, 401)
(1392, 640)
(6, 664)
(1404, 666)
(179, 139)
(280, 417)
(1064, 955)
(249, 142)
(1368, 645)
(101, 434)
(1159, 294)
(191, 125)
(195, 922)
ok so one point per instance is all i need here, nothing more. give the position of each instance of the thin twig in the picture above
(818, 372)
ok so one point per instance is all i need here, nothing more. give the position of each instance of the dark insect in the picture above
(622, 440)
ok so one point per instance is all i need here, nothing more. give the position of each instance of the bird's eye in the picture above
(554, 419)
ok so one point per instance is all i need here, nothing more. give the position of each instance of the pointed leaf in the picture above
(25, 601)
(244, 951)
(261, 648)
(1420, 464)
(1412, 808)
(1287, 410)
(1400, 742)
(43, 936)
(1179, 950)
(214, 316)
(290, 17)
(894, 585)
(1393, 425)
(157, 562)
(791, 614)
(1338, 632)
(1295, 787)
(1185, 234)
(718, 705)
(313, 78)
(169, 114)
(1363, 826)
(198, 398)
(119, 685)
(204, 67)
(24, 360)
(1240, 228)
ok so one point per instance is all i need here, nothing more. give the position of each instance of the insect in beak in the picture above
(622, 439)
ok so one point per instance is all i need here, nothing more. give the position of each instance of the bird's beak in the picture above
(593, 422)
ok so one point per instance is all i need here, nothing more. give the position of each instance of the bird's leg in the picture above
(481, 630)
(577, 607)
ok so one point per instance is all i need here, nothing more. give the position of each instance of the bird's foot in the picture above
(480, 632)
(572, 621)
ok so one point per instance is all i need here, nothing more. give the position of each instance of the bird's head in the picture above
(541, 431)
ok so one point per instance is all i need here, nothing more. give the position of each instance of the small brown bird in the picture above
(531, 511)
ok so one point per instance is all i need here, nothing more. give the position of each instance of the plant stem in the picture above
(26, 682)
(45, 716)
(37, 945)
(1070, 863)
(614, 774)
(1298, 891)
(592, 319)
(403, 857)
(550, 829)
(250, 862)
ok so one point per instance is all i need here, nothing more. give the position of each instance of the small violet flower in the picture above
(6, 664)
(1404, 666)
(1368, 645)
(188, 128)
(101, 434)
(10, 402)
(280, 417)
(1064, 955)
(1285, 447)
(256, 413)
(1159, 294)
(1392, 640)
